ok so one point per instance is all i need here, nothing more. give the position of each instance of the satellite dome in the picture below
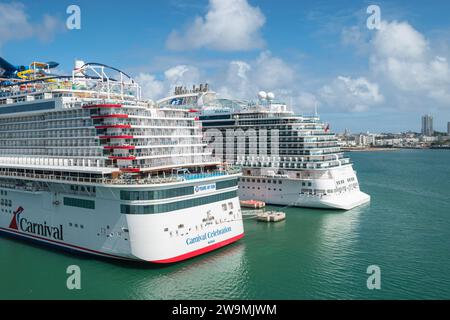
(262, 95)
(270, 96)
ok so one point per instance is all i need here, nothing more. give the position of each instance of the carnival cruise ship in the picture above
(286, 159)
(87, 165)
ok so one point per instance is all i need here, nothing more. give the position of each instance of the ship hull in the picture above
(48, 218)
(336, 189)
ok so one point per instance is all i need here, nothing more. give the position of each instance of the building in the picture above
(366, 139)
(448, 128)
(427, 125)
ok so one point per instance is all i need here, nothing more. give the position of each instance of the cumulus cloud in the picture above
(15, 25)
(266, 72)
(228, 25)
(354, 95)
(151, 87)
(154, 88)
(403, 57)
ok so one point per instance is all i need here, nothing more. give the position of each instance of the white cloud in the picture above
(399, 40)
(354, 95)
(15, 25)
(245, 78)
(182, 74)
(228, 25)
(13, 22)
(306, 102)
(403, 58)
(153, 88)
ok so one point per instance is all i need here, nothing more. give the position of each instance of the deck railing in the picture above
(122, 181)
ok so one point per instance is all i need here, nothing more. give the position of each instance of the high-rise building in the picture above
(448, 128)
(427, 125)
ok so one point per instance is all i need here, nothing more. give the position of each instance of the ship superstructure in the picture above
(287, 159)
(87, 165)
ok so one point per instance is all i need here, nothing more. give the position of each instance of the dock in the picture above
(271, 216)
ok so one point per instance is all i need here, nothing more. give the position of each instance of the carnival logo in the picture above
(15, 219)
(41, 229)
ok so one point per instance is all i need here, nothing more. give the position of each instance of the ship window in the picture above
(167, 207)
(226, 184)
(79, 203)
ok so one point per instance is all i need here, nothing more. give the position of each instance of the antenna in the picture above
(315, 109)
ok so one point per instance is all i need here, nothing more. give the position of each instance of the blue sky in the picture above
(307, 52)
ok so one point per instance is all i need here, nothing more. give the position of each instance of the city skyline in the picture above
(326, 54)
(427, 125)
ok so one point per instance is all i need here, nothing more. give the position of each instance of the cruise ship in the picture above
(286, 159)
(87, 165)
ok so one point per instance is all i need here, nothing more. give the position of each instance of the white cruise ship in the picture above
(86, 165)
(286, 159)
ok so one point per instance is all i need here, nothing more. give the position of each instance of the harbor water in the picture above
(313, 254)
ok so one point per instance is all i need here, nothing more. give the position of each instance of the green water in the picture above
(314, 254)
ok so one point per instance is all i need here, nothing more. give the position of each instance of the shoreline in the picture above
(389, 149)
(369, 149)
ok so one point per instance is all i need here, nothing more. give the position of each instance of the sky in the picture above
(362, 73)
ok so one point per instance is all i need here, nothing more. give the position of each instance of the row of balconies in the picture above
(174, 161)
(158, 152)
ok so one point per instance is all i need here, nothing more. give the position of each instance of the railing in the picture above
(123, 181)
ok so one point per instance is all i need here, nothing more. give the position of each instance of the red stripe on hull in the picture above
(119, 126)
(200, 251)
(130, 170)
(102, 106)
(110, 116)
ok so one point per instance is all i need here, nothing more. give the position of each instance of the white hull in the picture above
(339, 190)
(107, 232)
(341, 202)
